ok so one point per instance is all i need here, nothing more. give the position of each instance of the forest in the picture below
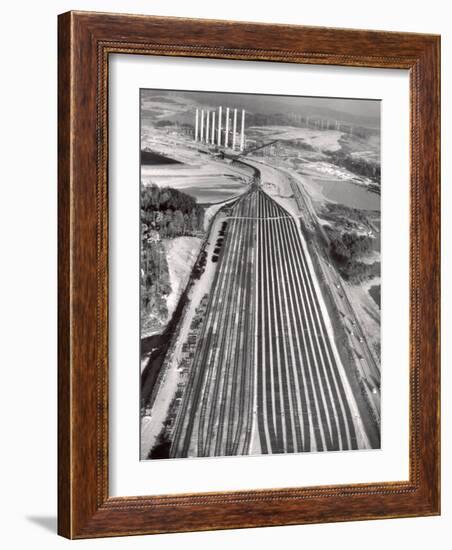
(357, 165)
(166, 213)
(346, 250)
(170, 212)
(154, 286)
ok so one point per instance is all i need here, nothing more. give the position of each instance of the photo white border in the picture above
(129, 476)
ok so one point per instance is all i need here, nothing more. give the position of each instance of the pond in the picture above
(349, 194)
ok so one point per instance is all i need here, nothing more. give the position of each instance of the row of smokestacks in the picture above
(214, 128)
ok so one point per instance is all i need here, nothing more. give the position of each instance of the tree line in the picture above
(170, 212)
(155, 286)
(357, 165)
(346, 250)
(166, 213)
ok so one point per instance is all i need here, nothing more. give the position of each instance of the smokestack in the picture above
(207, 126)
(196, 124)
(219, 127)
(226, 137)
(202, 125)
(234, 129)
(242, 133)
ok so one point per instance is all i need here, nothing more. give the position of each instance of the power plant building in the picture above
(213, 124)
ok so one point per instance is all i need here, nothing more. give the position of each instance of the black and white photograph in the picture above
(226, 257)
(259, 274)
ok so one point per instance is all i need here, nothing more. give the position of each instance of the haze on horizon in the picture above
(365, 112)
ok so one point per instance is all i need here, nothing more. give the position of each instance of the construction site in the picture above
(273, 346)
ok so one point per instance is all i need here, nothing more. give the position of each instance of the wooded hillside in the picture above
(166, 213)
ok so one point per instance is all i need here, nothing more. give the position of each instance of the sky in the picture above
(358, 111)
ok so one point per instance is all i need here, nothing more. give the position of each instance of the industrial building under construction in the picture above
(220, 128)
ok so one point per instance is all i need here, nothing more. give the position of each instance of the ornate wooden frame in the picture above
(85, 42)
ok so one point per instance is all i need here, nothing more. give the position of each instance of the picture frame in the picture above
(85, 42)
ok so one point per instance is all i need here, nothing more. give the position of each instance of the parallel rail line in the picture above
(266, 361)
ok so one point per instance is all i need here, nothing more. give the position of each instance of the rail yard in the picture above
(266, 377)
(255, 360)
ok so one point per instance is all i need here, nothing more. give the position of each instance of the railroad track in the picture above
(266, 360)
(305, 400)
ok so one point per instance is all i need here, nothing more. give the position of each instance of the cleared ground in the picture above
(181, 256)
